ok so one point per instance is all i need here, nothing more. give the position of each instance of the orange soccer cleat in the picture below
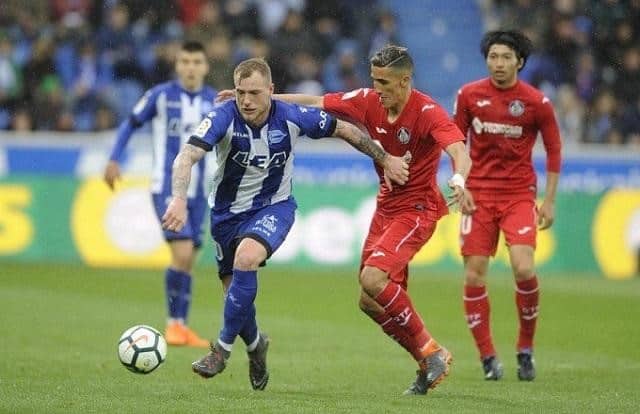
(178, 334)
(194, 340)
(175, 334)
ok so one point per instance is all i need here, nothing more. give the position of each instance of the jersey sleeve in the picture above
(352, 105)
(145, 108)
(461, 115)
(443, 130)
(143, 111)
(548, 127)
(213, 127)
(315, 123)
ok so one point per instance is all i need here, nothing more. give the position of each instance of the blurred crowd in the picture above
(587, 59)
(80, 65)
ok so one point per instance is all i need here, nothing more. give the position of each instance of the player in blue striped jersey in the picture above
(174, 109)
(252, 207)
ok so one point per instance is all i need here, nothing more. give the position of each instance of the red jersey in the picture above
(423, 128)
(501, 126)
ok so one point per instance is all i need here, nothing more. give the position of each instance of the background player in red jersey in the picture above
(405, 122)
(502, 116)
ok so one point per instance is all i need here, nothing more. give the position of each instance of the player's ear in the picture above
(520, 63)
(406, 79)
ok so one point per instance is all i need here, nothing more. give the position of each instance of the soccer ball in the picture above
(142, 349)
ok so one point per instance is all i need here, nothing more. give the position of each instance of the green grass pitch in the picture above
(59, 325)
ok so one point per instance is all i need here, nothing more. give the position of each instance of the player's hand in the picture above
(175, 217)
(112, 174)
(457, 196)
(225, 95)
(467, 205)
(396, 169)
(546, 215)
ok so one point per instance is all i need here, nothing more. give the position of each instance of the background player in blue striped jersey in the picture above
(174, 109)
(252, 208)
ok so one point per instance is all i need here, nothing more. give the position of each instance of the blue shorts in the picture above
(269, 226)
(192, 229)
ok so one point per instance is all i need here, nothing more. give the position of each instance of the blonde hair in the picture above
(247, 67)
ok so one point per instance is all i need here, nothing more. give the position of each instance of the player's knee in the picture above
(523, 271)
(372, 280)
(183, 263)
(474, 277)
(246, 259)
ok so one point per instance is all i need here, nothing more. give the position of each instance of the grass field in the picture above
(59, 326)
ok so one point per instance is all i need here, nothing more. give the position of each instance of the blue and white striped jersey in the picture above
(255, 165)
(174, 113)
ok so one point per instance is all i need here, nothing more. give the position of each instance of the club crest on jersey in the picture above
(516, 108)
(275, 136)
(403, 135)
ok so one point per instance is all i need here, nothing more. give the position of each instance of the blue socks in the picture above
(239, 310)
(249, 331)
(178, 292)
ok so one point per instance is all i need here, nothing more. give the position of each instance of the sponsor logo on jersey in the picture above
(276, 136)
(509, 131)
(277, 159)
(516, 108)
(403, 135)
(381, 130)
(239, 134)
(483, 102)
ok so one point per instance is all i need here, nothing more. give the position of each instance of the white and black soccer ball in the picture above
(142, 349)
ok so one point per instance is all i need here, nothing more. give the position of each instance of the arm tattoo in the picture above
(181, 175)
(360, 141)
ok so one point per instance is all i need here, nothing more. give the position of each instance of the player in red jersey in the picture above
(405, 122)
(501, 116)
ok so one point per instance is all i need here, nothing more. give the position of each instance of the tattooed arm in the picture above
(396, 168)
(176, 215)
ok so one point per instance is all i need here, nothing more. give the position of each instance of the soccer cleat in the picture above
(492, 368)
(526, 367)
(175, 334)
(432, 371)
(192, 339)
(213, 363)
(258, 373)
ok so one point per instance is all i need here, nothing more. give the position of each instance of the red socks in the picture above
(527, 299)
(477, 311)
(405, 324)
(398, 334)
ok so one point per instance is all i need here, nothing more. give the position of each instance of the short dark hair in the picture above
(192, 46)
(246, 68)
(392, 56)
(513, 39)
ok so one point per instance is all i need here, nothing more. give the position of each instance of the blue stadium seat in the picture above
(443, 37)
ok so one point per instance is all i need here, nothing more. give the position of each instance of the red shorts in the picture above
(479, 232)
(393, 241)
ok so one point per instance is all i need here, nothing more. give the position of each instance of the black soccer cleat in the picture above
(258, 373)
(526, 367)
(213, 363)
(432, 371)
(492, 368)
